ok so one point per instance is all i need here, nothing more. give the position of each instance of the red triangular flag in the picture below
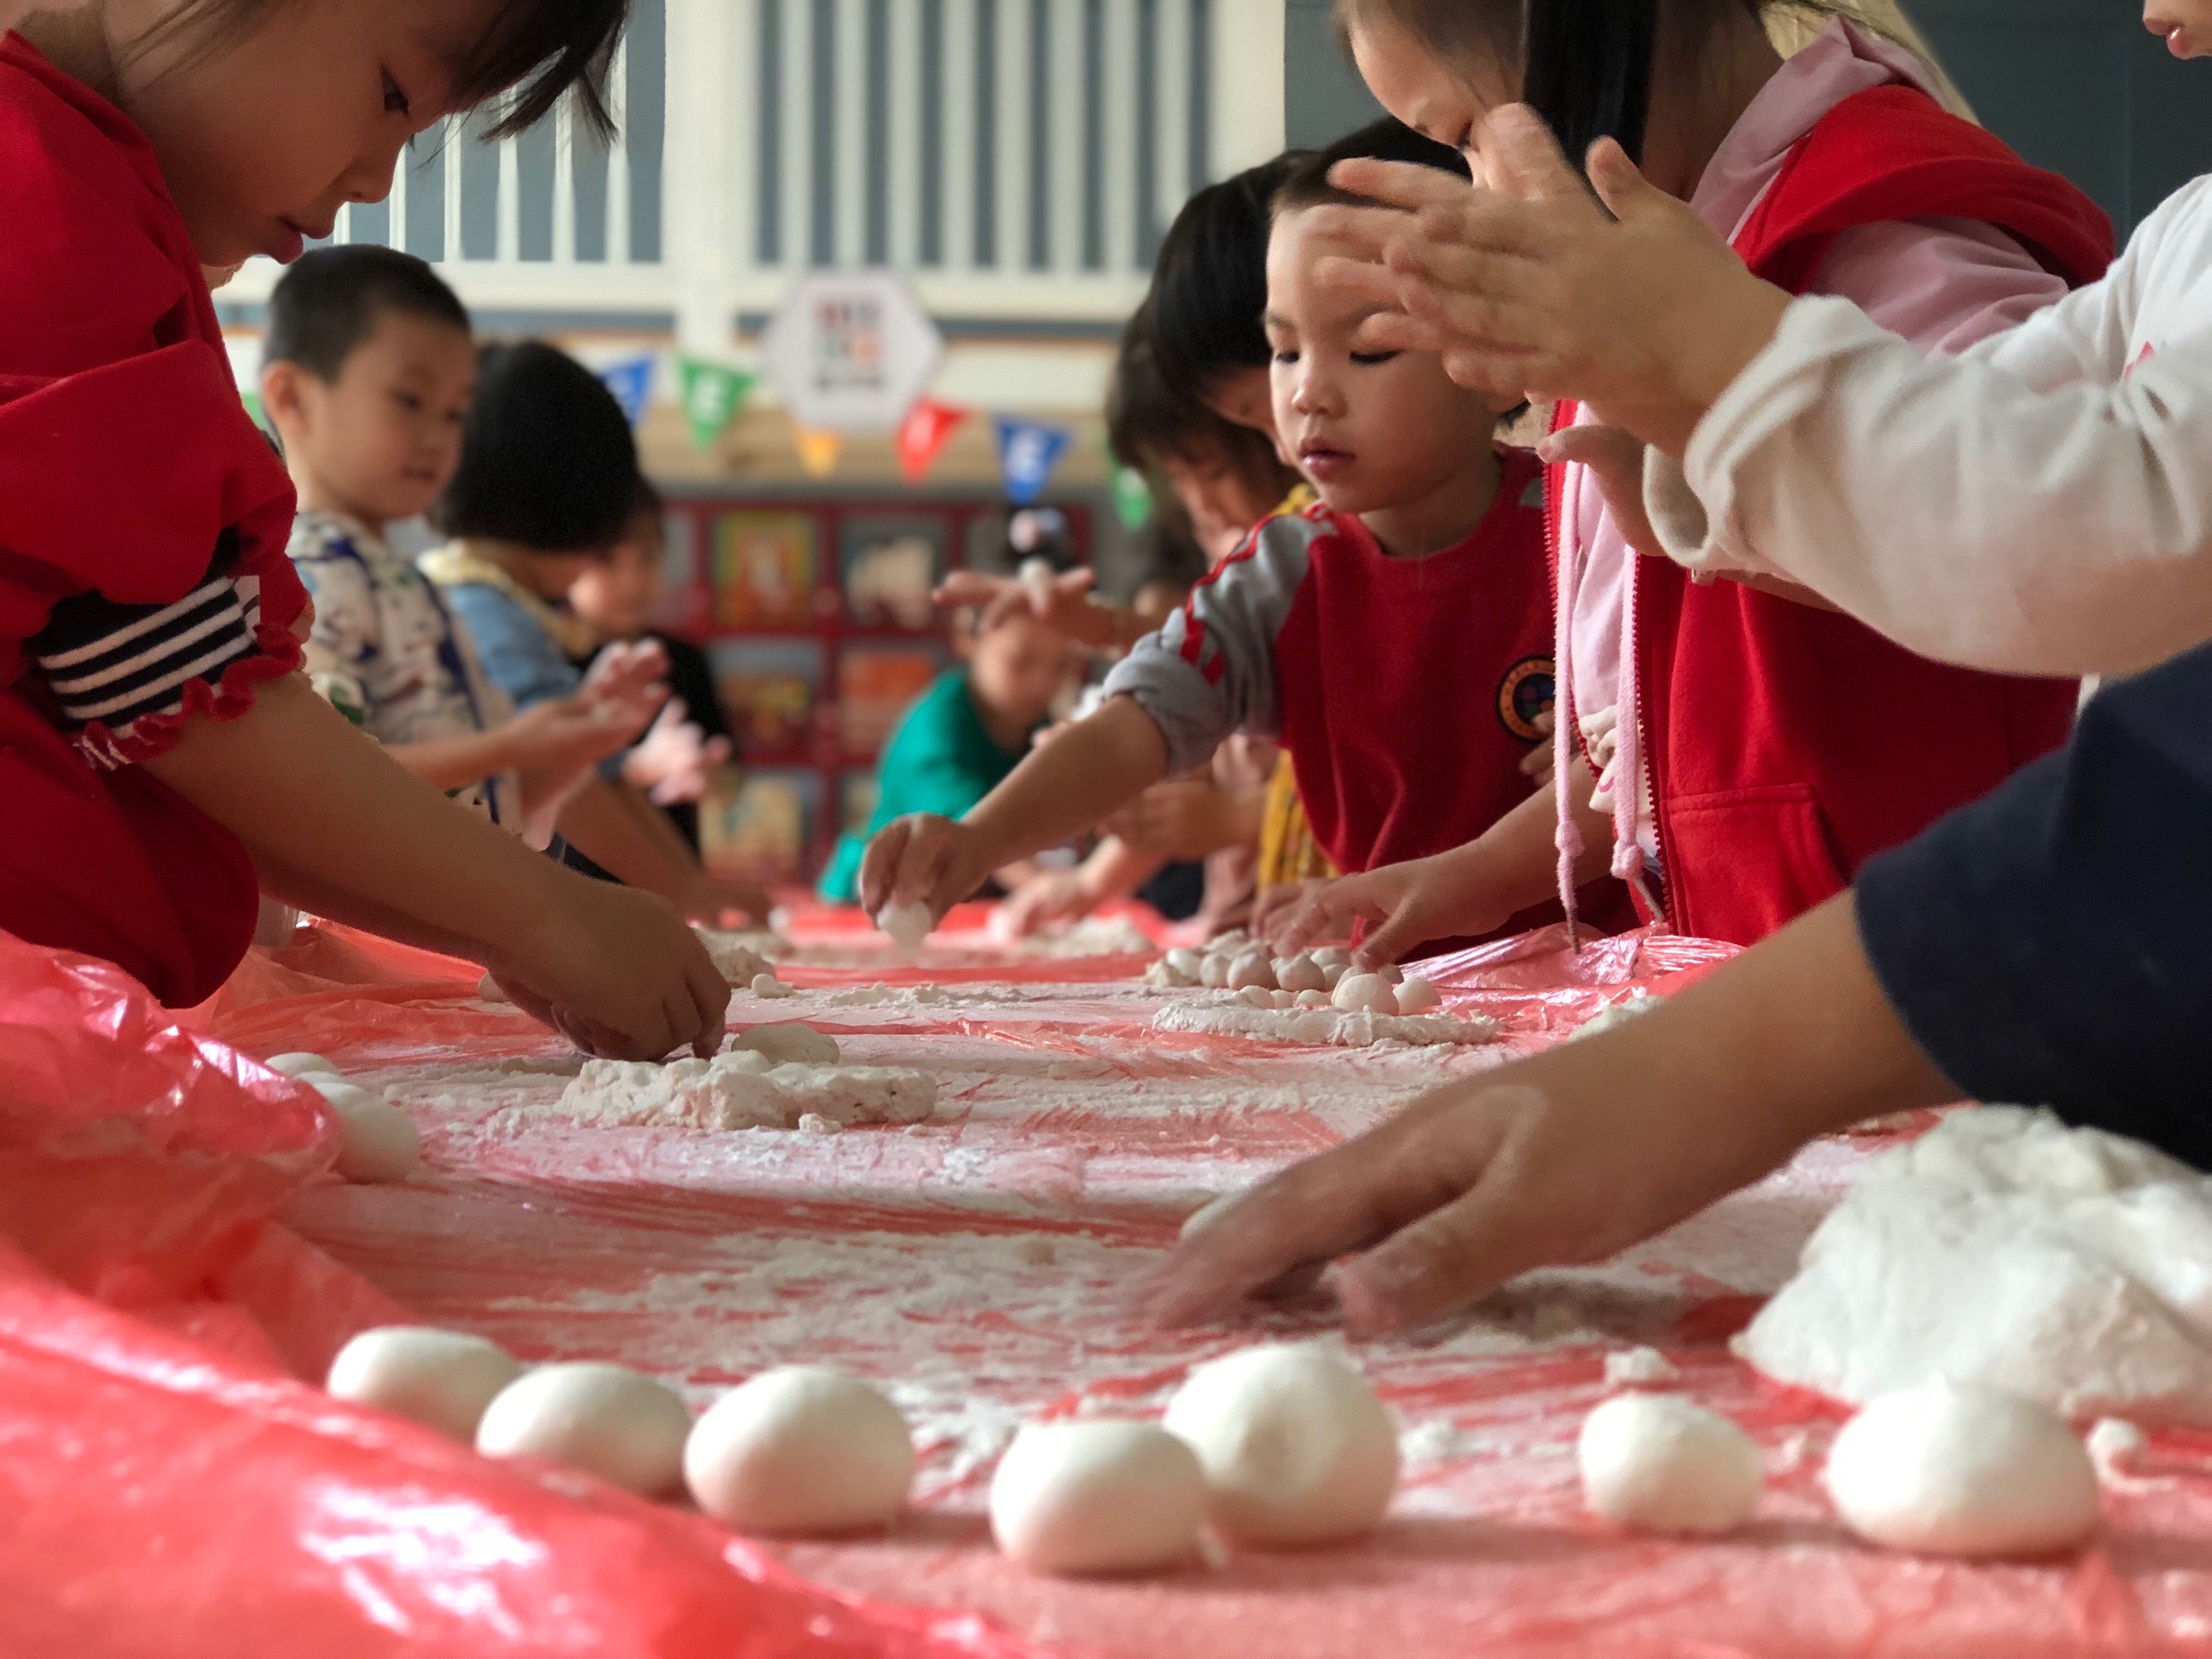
(928, 428)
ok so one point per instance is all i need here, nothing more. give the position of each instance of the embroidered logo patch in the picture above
(1523, 696)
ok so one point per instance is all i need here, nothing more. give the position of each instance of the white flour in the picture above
(741, 1090)
(1356, 1029)
(738, 957)
(919, 996)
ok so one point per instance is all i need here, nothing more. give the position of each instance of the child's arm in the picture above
(1067, 606)
(334, 825)
(2044, 943)
(1473, 888)
(1113, 869)
(633, 842)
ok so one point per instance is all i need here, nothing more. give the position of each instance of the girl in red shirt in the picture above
(160, 759)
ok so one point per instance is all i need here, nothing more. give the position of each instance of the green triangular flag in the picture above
(1133, 497)
(713, 395)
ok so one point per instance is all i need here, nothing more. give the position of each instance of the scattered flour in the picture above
(919, 996)
(1093, 936)
(2069, 1265)
(1227, 1017)
(740, 1089)
(1616, 1015)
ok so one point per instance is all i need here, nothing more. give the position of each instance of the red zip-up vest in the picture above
(1786, 744)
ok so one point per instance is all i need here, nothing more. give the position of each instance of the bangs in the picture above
(535, 51)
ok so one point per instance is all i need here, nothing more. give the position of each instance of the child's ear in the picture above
(280, 392)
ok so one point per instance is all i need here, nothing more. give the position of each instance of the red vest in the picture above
(1787, 745)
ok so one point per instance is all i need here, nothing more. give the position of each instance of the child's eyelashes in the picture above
(395, 96)
(1285, 354)
(1368, 359)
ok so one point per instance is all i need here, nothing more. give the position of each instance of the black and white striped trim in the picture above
(142, 665)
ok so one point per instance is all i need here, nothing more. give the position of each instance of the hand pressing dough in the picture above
(1364, 993)
(1657, 1462)
(1418, 996)
(441, 1379)
(1096, 1497)
(804, 1450)
(1332, 956)
(789, 1043)
(743, 1088)
(1295, 1447)
(1300, 973)
(1252, 970)
(1953, 1469)
(907, 923)
(381, 1142)
(606, 1420)
(2067, 1265)
(302, 1065)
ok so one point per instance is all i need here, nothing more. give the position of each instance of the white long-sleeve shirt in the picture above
(2040, 504)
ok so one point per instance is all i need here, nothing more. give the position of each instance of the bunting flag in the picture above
(1133, 497)
(713, 395)
(631, 382)
(818, 450)
(928, 427)
(1028, 452)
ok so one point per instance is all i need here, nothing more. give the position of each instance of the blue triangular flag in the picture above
(1028, 452)
(631, 382)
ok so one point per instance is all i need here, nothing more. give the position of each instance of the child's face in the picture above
(2185, 24)
(1437, 100)
(1373, 430)
(383, 439)
(264, 140)
(1017, 668)
(617, 596)
(1216, 496)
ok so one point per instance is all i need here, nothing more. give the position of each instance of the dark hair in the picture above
(1147, 423)
(1209, 280)
(1586, 65)
(533, 50)
(332, 298)
(1386, 140)
(547, 458)
(1167, 557)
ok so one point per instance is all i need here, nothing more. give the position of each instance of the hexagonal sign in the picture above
(850, 351)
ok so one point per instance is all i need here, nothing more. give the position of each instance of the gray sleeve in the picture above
(1210, 671)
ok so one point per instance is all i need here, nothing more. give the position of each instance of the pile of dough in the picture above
(1096, 1497)
(1658, 1463)
(441, 1379)
(804, 1450)
(606, 1420)
(789, 1042)
(1953, 1469)
(745, 1088)
(907, 923)
(736, 955)
(2069, 1266)
(1295, 1447)
(380, 1142)
(1309, 1016)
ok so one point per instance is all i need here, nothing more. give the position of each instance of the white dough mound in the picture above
(1952, 1469)
(1096, 1497)
(743, 1089)
(801, 1451)
(738, 957)
(2069, 1265)
(1295, 1447)
(1661, 1464)
(1227, 1017)
(441, 1379)
(606, 1420)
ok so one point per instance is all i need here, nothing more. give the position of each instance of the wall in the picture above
(1322, 95)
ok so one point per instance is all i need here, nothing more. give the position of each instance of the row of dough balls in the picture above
(1949, 1469)
(381, 1141)
(1281, 1444)
(1319, 979)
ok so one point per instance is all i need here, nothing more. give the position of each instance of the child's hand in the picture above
(1537, 765)
(923, 859)
(1276, 905)
(1531, 287)
(1183, 820)
(673, 761)
(718, 903)
(618, 973)
(1049, 897)
(1064, 607)
(1403, 905)
(566, 735)
(630, 677)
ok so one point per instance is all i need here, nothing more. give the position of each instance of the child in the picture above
(963, 737)
(158, 756)
(368, 368)
(1395, 635)
(547, 483)
(2037, 945)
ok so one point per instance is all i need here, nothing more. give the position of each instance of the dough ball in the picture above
(789, 1043)
(1639, 1367)
(1252, 969)
(381, 1142)
(801, 1449)
(1418, 996)
(2115, 1442)
(1295, 1447)
(1286, 1000)
(1333, 973)
(606, 1420)
(441, 1379)
(1184, 963)
(1313, 999)
(1962, 1469)
(768, 986)
(1364, 993)
(1333, 956)
(1254, 996)
(1037, 573)
(907, 923)
(302, 1065)
(1097, 1497)
(1300, 973)
(1231, 943)
(1658, 1463)
(1214, 970)
(1391, 974)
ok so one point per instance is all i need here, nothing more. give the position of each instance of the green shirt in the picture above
(940, 760)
